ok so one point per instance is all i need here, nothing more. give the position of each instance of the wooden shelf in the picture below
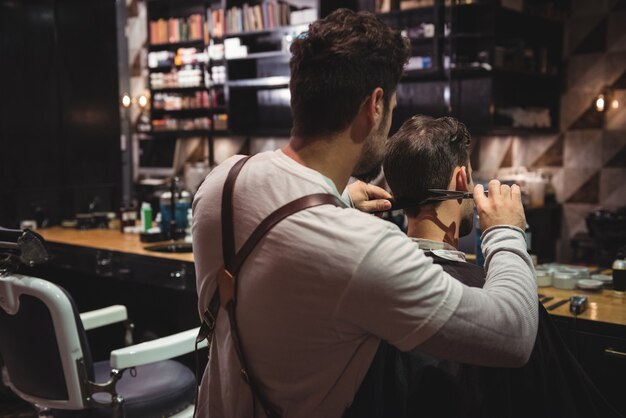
(260, 55)
(178, 89)
(262, 31)
(399, 13)
(265, 82)
(261, 132)
(168, 68)
(176, 45)
(195, 110)
(182, 133)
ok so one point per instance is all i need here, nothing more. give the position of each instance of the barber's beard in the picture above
(370, 175)
(373, 153)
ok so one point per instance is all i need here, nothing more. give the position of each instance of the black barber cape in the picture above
(409, 384)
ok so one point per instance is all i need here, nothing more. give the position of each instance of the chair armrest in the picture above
(156, 350)
(105, 316)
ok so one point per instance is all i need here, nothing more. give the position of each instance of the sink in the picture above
(171, 247)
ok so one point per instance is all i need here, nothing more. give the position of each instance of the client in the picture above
(428, 153)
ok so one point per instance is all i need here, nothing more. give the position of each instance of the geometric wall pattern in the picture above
(587, 159)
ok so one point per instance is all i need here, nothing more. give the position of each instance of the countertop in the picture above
(604, 305)
(107, 239)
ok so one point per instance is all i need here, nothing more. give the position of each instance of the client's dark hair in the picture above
(422, 155)
(337, 64)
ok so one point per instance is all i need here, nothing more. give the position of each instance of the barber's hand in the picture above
(502, 207)
(369, 198)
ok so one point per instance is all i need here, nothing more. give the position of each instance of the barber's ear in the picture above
(462, 182)
(380, 102)
(375, 104)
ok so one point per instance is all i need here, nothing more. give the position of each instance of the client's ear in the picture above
(462, 182)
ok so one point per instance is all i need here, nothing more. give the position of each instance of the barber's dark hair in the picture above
(337, 64)
(422, 155)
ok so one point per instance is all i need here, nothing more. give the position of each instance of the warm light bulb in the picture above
(143, 101)
(446, 95)
(615, 104)
(600, 103)
(126, 100)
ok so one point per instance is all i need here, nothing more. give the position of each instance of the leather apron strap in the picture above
(226, 293)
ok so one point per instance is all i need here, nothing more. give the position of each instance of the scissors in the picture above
(436, 195)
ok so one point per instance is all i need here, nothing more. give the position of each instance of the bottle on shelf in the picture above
(175, 30)
(128, 218)
(146, 217)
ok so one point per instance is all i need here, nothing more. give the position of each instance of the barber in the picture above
(321, 290)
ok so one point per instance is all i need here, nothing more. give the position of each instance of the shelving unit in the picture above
(258, 55)
(479, 62)
(176, 45)
(248, 91)
(265, 82)
(484, 64)
(257, 65)
(185, 101)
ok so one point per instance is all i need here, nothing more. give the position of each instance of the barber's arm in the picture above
(398, 294)
(504, 313)
(496, 325)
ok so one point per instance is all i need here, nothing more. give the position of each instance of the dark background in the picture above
(59, 113)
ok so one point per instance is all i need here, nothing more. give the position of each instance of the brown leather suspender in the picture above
(226, 293)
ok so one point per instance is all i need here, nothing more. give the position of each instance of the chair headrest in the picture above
(21, 247)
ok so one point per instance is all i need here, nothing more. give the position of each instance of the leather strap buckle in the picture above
(209, 319)
(245, 376)
(206, 329)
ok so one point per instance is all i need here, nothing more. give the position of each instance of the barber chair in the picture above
(47, 361)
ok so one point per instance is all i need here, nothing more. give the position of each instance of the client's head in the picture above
(428, 153)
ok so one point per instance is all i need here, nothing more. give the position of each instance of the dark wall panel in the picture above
(30, 109)
(59, 114)
(88, 83)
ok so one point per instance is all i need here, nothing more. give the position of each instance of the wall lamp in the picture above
(127, 101)
(606, 100)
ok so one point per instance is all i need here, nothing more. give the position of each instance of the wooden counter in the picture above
(106, 239)
(604, 305)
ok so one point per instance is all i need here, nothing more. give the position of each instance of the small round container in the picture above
(579, 273)
(589, 284)
(566, 281)
(551, 267)
(604, 278)
(544, 277)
